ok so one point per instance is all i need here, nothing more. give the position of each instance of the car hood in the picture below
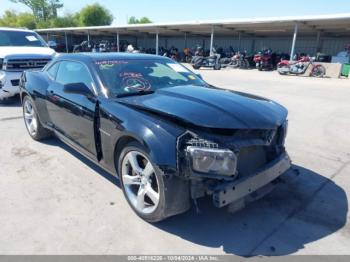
(25, 51)
(211, 107)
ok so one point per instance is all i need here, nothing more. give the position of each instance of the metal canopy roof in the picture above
(332, 25)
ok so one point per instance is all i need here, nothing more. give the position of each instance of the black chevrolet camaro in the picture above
(170, 137)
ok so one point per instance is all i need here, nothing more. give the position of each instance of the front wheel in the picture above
(32, 122)
(283, 69)
(150, 193)
(318, 71)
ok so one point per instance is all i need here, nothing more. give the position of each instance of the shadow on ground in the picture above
(86, 161)
(303, 208)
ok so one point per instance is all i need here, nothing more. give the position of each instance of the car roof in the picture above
(94, 57)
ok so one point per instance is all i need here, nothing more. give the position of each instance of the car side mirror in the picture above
(78, 89)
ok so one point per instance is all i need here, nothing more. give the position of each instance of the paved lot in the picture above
(53, 201)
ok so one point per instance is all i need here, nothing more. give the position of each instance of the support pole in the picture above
(212, 40)
(47, 37)
(66, 40)
(239, 41)
(157, 43)
(185, 39)
(118, 43)
(318, 38)
(88, 36)
(292, 52)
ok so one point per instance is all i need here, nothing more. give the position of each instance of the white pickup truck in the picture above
(20, 50)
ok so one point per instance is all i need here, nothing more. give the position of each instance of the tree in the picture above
(95, 15)
(42, 9)
(26, 20)
(68, 20)
(142, 20)
(12, 19)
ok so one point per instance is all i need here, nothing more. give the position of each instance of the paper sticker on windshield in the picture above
(178, 68)
(31, 38)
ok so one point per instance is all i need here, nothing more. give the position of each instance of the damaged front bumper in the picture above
(9, 84)
(230, 192)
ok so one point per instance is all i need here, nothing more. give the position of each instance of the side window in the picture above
(73, 72)
(52, 71)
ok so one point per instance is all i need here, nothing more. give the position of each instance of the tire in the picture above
(282, 72)
(153, 195)
(32, 122)
(243, 64)
(318, 71)
(196, 67)
(217, 66)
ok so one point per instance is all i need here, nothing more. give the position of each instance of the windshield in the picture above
(139, 76)
(20, 38)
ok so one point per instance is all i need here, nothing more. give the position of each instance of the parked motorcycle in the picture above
(232, 62)
(246, 61)
(187, 55)
(212, 61)
(265, 60)
(85, 46)
(105, 46)
(300, 66)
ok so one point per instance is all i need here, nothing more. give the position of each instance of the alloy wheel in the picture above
(30, 117)
(140, 182)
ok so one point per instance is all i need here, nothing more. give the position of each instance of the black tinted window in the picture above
(52, 71)
(73, 72)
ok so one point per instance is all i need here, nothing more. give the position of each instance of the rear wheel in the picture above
(217, 66)
(32, 122)
(196, 67)
(151, 194)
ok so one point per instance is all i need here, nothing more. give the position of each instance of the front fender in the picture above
(119, 122)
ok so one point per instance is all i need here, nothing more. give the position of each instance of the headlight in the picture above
(213, 161)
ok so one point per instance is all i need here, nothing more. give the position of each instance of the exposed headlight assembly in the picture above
(212, 160)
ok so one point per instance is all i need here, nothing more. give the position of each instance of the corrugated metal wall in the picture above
(307, 45)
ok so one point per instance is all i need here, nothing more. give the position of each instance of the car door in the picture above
(72, 115)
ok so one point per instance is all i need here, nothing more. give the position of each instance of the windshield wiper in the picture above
(139, 93)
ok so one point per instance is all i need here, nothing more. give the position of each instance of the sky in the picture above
(194, 10)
